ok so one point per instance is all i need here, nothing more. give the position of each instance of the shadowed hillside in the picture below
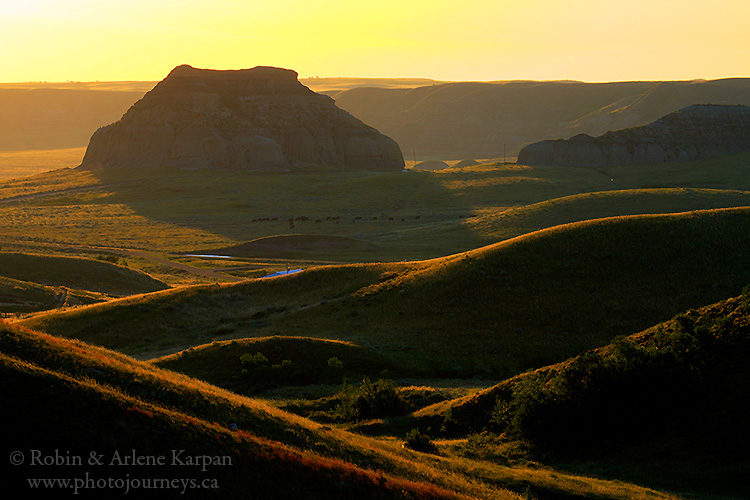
(18, 296)
(284, 361)
(523, 302)
(673, 393)
(82, 274)
(114, 402)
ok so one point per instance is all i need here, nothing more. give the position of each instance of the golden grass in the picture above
(23, 163)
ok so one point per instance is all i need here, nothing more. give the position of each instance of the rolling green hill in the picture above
(489, 225)
(524, 302)
(83, 274)
(22, 296)
(309, 360)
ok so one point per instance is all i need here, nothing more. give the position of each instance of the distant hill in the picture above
(692, 133)
(472, 119)
(53, 118)
(435, 119)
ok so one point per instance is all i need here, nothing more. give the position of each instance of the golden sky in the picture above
(590, 40)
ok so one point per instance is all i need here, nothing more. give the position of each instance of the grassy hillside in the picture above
(161, 323)
(309, 359)
(82, 274)
(22, 296)
(297, 246)
(520, 303)
(492, 224)
(676, 387)
(114, 402)
(543, 296)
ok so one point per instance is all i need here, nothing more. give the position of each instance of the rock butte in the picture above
(256, 119)
(699, 131)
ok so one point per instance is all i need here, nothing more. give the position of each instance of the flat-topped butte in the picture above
(256, 119)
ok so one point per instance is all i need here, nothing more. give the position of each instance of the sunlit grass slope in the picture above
(113, 402)
(175, 319)
(543, 296)
(520, 303)
(83, 274)
(495, 224)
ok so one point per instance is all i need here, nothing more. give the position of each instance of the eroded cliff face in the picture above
(699, 131)
(257, 119)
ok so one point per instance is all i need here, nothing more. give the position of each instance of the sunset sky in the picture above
(590, 40)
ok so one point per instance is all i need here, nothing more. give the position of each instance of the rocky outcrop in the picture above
(259, 119)
(699, 131)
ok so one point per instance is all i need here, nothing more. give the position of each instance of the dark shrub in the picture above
(371, 400)
(418, 441)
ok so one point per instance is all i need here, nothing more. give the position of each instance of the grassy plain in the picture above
(404, 215)
(17, 164)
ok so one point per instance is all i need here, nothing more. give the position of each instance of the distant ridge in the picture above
(481, 119)
(695, 132)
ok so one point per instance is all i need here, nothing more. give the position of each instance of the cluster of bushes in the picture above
(381, 398)
(262, 373)
(111, 258)
(695, 365)
(258, 372)
(418, 441)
